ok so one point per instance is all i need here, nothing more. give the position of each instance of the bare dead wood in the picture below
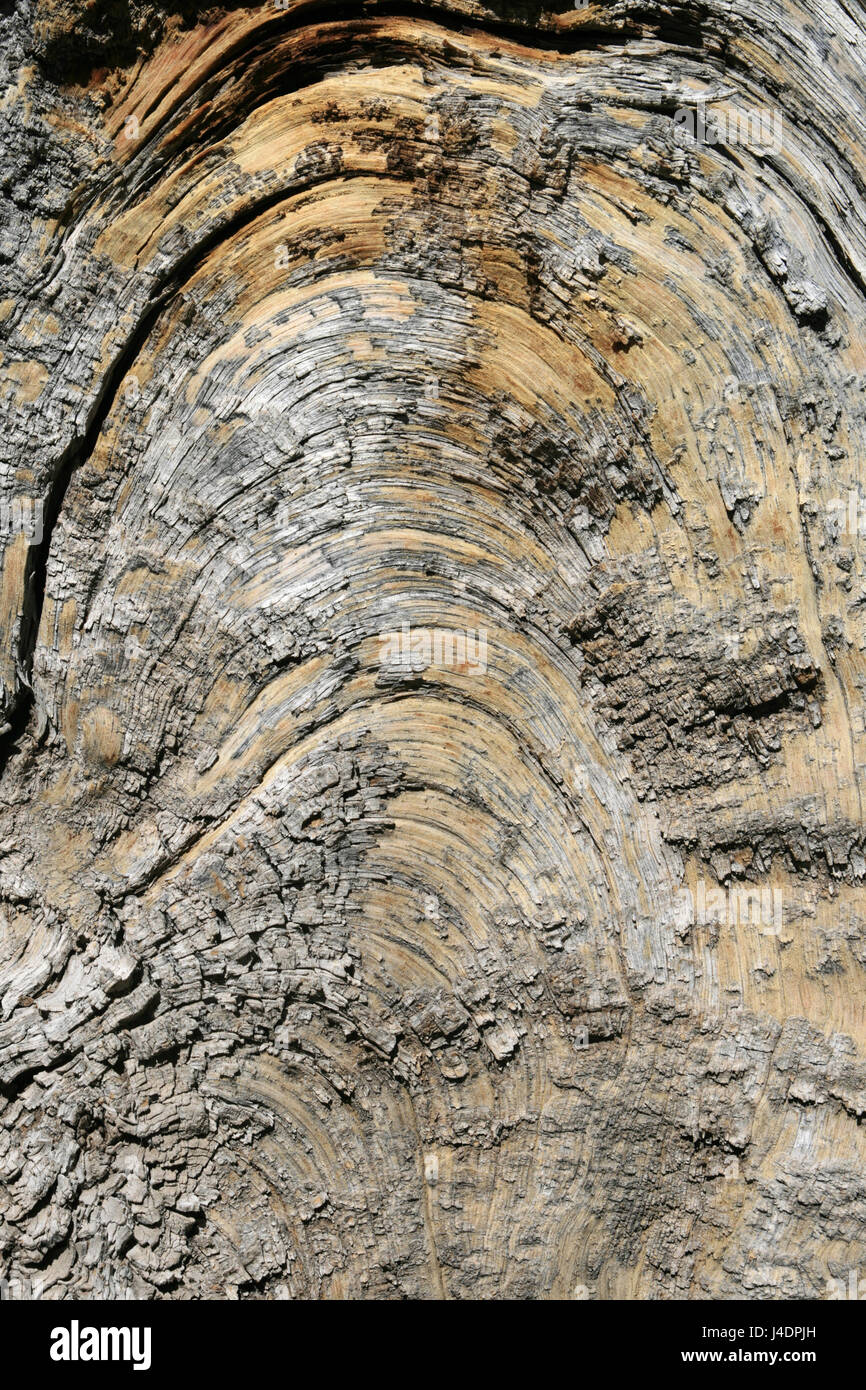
(431, 830)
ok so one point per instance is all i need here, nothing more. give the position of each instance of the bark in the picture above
(431, 829)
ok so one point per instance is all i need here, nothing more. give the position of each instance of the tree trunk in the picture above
(431, 647)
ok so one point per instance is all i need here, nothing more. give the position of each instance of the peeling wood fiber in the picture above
(432, 627)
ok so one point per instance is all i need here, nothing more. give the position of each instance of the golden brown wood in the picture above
(431, 853)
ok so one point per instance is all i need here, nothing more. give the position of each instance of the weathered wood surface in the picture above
(327, 976)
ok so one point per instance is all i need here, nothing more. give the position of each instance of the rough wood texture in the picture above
(520, 955)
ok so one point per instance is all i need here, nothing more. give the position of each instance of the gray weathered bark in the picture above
(530, 965)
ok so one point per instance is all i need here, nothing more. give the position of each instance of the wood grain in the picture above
(343, 956)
